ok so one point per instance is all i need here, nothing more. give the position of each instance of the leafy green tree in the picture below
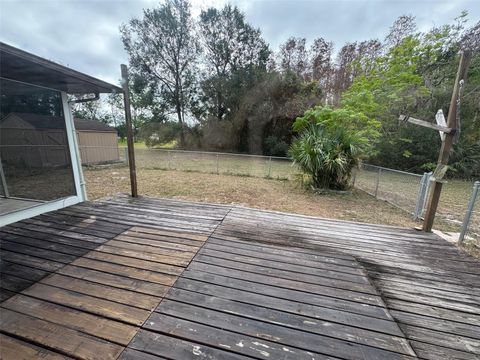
(163, 49)
(235, 57)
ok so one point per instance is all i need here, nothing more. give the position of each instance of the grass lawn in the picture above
(271, 194)
(274, 185)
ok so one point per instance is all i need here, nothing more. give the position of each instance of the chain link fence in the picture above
(471, 223)
(216, 163)
(404, 190)
(459, 205)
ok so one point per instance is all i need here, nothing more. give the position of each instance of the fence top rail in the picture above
(392, 170)
(219, 153)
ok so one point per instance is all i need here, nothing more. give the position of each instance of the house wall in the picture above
(98, 147)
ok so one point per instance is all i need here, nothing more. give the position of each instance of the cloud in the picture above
(84, 35)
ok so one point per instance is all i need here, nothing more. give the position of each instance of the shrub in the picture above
(274, 146)
(331, 143)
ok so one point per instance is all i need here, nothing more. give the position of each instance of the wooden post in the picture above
(128, 124)
(447, 143)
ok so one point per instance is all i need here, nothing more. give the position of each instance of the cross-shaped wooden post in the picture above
(448, 138)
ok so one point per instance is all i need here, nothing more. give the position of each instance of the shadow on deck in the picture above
(152, 279)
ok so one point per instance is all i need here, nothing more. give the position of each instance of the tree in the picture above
(293, 57)
(92, 110)
(321, 59)
(344, 69)
(401, 28)
(163, 49)
(235, 53)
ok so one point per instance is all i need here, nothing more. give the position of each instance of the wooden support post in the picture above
(447, 143)
(128, 124)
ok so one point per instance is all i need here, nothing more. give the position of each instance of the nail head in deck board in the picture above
(97, 326)
(106, 292)
(316, 312)
(288, 294)
(110, 309)
(60, 338)
(180, 303)
(122, 282)
(15, 349)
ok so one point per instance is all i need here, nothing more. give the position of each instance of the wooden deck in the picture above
(163, 279)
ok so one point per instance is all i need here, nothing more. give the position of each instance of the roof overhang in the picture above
(22, 66)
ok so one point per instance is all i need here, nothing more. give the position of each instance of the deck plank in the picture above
(89, 280)
(65, 340)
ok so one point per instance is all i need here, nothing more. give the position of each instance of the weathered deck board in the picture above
(81, 287)
(431, 287)
(95, 281)
(263, 319)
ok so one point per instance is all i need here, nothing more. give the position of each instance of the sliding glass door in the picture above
(35, 156)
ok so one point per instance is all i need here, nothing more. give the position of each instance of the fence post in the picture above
(422, 191)
(269, 166)
(427, 191)
(377, 181)
(217, 164)
(126, 156)
(468, 214)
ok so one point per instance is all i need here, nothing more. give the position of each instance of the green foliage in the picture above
(163, 49)
(154, 134)
(331, 143)
(274, 146)
(235, 57)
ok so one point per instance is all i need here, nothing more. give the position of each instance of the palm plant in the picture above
(330, 145)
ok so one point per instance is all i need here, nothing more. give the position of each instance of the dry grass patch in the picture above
(279, 195)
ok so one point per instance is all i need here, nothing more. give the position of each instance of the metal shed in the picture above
(98, 142)
(37, 139)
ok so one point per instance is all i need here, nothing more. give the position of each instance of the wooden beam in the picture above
(448, 143)
(128, 123)
(426, 124)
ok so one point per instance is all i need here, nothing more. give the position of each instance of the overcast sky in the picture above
(84, 35)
